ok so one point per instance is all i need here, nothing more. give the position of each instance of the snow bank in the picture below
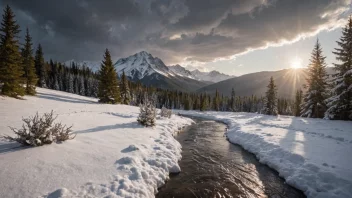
(111, 156)
(313, 155)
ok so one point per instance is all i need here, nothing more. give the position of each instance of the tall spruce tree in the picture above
(314, 99)
(40, 67)
(340, 104)
(270, 106)
(108, 84)
(125, 90)
(28, 65)
(10, 57)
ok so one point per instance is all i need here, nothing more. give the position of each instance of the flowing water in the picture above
(213, 167)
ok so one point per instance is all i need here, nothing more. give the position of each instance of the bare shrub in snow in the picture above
(37, 131)
(147, 114)
(164, 112)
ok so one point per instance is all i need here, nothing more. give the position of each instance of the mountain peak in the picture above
(143, 53)
(140, 65)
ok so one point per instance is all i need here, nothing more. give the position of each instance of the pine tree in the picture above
(108, 83)
(340, 104)
(314, 99)
(10, 57)
(216, 101)
(40, 67)
(233, 100)
(28, 65)
(124, 89)
(270, 107)
(147, 114)
(204, 102)
(298, 102)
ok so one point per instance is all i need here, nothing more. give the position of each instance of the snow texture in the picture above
(111, 156)
(313, 155)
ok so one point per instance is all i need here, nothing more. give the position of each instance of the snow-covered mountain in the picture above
(149, 70)
(95, 66)
(181, 71)
(212, 76)
(142, 64)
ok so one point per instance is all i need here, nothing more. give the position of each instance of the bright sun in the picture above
(296, 63)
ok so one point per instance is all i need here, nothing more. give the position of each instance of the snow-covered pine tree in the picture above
(270, 105)
(314, 99)
(82, 90)
(40, 67)
(124, 89)
(108, 84)
(10, 57)
(76, 84)
(70, 83)
(28, 65)
(340, 104)
(147, 114)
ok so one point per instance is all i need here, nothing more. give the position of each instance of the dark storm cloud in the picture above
(175, 30)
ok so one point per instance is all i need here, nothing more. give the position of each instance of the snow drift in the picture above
(111, 156)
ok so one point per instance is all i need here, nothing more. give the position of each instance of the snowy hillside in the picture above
(111, 156)
(313, 155)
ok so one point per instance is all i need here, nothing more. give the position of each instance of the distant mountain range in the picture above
(152, 71)
(212, 76)
(287, 82)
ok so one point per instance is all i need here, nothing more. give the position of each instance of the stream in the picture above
(213, 167)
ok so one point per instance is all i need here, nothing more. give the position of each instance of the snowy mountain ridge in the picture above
(142, 64)
(212, 76)
(181, 71)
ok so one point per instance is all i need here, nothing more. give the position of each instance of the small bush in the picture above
(164, 112)
(147, 114)
(37, 131)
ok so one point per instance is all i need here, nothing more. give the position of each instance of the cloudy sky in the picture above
(232, 36)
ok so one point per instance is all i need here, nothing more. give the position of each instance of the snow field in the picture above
(111, 156)
(313, 155)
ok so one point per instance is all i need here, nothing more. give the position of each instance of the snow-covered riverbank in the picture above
(112, 155)
(313, 155)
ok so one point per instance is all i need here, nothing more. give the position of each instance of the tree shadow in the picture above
(9, 147)
(119, 115)
(111, 127)
(64, 98)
